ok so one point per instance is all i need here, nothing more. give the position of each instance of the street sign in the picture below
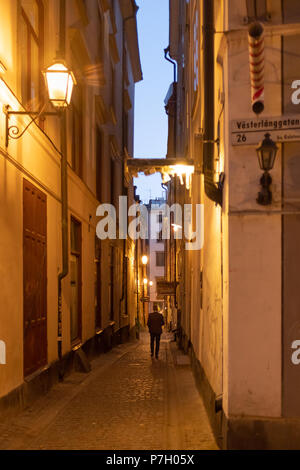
(166, 288)
(252, 131)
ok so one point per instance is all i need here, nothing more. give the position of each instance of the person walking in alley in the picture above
(155, 323)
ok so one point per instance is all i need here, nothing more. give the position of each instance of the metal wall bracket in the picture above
(14, 132)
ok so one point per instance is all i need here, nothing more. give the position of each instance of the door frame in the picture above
(42, 340)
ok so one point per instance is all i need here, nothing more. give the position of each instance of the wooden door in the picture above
(34, 277)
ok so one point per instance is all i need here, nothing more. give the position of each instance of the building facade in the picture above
(63, 289)
(156, 269)
(237, 302)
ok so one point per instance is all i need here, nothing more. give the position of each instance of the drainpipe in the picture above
(212, 190)
(64, 194)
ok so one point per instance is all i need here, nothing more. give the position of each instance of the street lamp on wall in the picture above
(145, 260)
(60, 82)
(266, 153)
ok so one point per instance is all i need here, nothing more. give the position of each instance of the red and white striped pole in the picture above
(257, 65)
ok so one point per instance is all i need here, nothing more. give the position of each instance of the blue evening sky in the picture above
(151, 124)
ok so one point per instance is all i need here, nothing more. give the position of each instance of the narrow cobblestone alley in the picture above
(128, 401)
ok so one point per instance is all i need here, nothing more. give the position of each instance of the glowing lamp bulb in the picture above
(145, 260)
(60, 82)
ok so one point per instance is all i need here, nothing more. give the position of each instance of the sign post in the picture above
(252, 131)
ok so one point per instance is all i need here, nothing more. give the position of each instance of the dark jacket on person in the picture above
(155, 323)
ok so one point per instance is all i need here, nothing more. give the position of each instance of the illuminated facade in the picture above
(46, 313)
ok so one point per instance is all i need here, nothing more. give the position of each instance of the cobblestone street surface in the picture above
(128, 402)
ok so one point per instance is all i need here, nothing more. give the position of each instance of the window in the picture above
(31, 42)
(256, 9)
(113, 89)
(160, 236)
(75, 278)
(159, 220)
(160, 258)
(99, 159)
(77, 129)
(126, 131)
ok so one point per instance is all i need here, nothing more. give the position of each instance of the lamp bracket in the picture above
(216, 141)
(264, 197)
(14, 132)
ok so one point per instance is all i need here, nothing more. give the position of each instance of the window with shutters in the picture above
(31, 46)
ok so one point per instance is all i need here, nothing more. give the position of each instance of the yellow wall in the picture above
(34, 158)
